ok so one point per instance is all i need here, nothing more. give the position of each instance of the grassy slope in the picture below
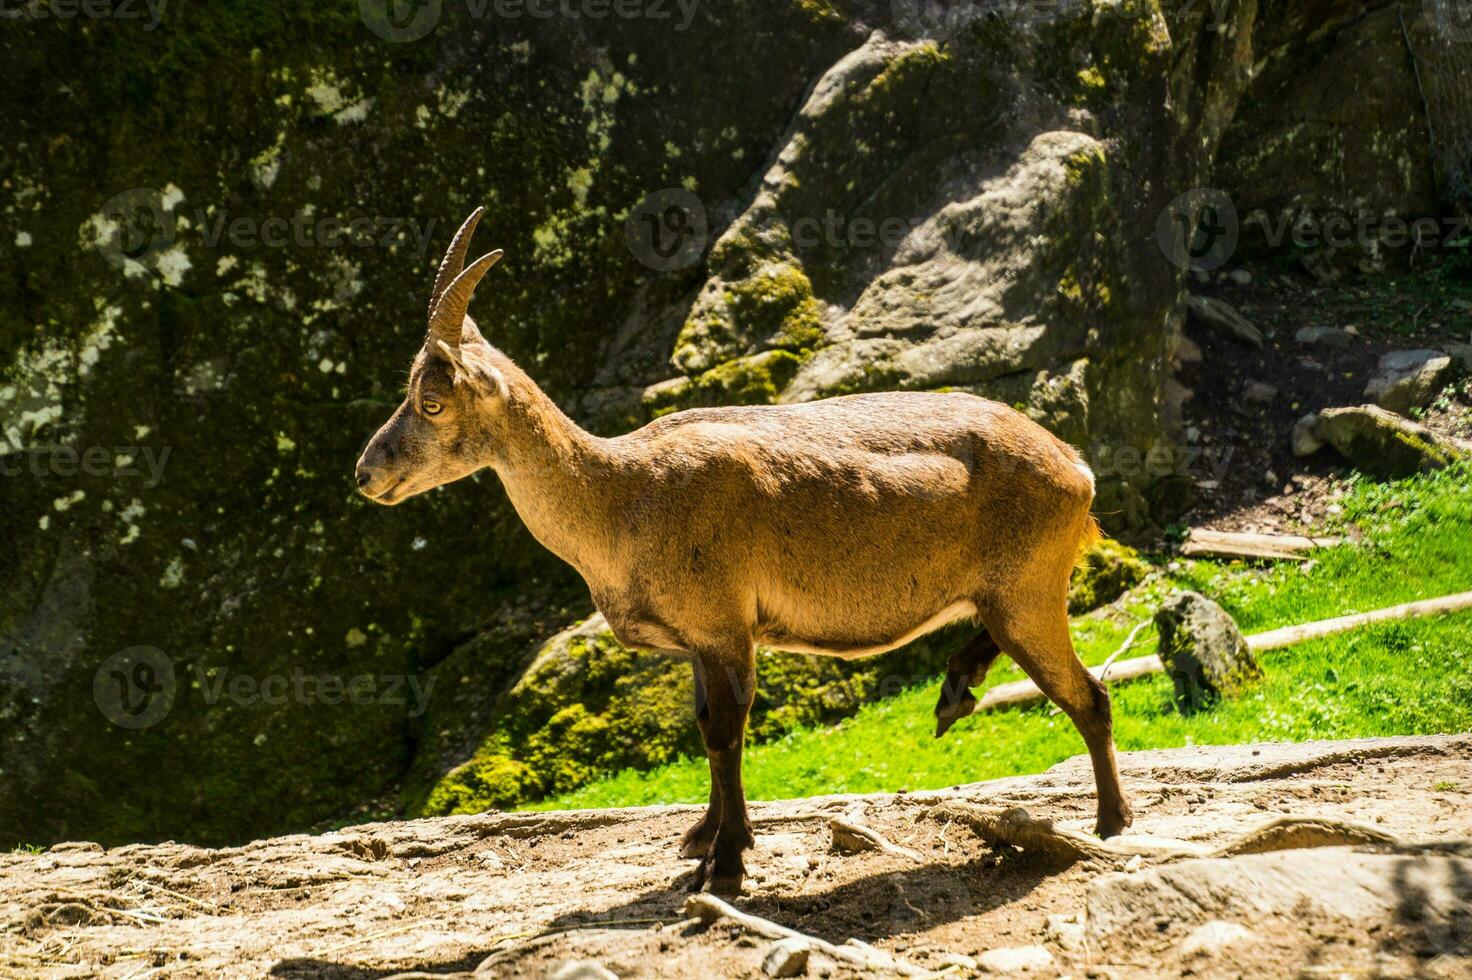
(1411, 677)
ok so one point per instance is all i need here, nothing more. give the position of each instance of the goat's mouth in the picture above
(389, 495)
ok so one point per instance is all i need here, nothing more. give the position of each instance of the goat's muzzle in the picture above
(379, 483)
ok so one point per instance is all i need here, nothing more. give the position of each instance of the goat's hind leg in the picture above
(1035, 634)
(966, 669)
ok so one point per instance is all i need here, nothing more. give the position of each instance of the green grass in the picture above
(1408, 677)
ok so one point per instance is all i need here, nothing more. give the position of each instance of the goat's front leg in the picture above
(729, 684)
(698, 838)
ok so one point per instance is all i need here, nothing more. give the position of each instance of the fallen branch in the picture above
(850, 838)
(208, 906)
(710, 910)
(1289, 635)
(1026, 692)
(1241, 544)
(1129, 641)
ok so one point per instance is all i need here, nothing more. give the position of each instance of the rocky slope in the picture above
(203, 633)
(1379, 882)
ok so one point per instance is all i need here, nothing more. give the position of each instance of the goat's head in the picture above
(444, 428)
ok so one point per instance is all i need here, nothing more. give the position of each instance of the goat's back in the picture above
(847, 521)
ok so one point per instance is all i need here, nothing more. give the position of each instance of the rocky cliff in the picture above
(221, 225)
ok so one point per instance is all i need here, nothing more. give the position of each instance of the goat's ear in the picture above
(484, 377)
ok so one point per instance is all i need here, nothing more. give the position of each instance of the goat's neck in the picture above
(558, 477)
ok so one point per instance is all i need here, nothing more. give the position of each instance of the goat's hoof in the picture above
(724, 884)
(1112, 824)
(947, 715)
(697, 841)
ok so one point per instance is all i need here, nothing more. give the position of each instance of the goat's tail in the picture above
(1092, 535)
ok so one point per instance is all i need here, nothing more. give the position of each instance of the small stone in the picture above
(787, 957)
(1224, 319)
(1305, 437)
(1240, 277)
(583, 970)
(1324, 337)
(1015, 959)
(1409, 379)
(1067, 931)
(75, 847)
(1213, 937)
(1258, 393)
(958, 960)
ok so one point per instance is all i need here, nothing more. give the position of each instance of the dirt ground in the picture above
(1264, 487)
(523, 895)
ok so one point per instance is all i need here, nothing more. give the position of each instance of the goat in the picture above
(845, 527)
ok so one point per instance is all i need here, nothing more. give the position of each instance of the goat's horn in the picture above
(454, 260)
(448, 317)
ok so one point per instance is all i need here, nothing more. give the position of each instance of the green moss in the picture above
(820, 10)
(589, 707)
(778, 302)
(754, 380)
(492, 780)
(914, 64)
(871, 376)
(773, 307)
(1104, 573)
(1091, 78)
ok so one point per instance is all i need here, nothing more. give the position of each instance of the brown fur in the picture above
(845, 527)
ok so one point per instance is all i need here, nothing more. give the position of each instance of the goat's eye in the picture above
(431, 407)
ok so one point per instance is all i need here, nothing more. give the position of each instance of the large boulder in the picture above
(1203, 651)
(1329, 157)
(1426, 892)
(1383, 443)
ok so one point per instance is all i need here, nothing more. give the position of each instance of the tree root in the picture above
(1018, 828)
(710, 910)
(850, 838)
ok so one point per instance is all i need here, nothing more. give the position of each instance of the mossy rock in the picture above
(1105, 572)
(754, 380)
(773, 307)
(588, 707)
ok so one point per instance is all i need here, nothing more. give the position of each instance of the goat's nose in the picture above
(364, 477)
